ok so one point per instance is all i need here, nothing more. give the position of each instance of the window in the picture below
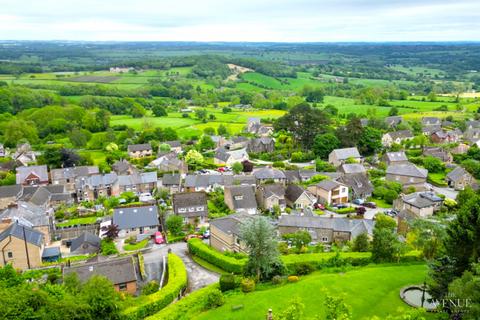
(238, 197)
(182, 210)
(122, 286)
(237, 241)
(343, 189)
(191, 209)
(324, 239)
(10, 255)
(199, 208)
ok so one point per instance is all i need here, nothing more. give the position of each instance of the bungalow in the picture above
(261, 145)
(225, 233)
(408, 175)
(398, 157)
(340, 156)
(172, 182)
(203, 182)
(241, 199)
(396, 137)
(267, 175)
(132, 221)
(32, 175)
(121, 273)
(330, 192)
(192, 206)
(21, 246)
(226, 157)
(326, 230)
(136, 151)
(459, 178)
(299, 198)
(270, 196)
(420, 204)
(86, 243)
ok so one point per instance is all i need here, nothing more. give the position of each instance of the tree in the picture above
(111, 231)
(174, 224)
(164, 147)
(298, 239)
(467, 288)
(393, 111)
(222, 130)
(350, 134)
(158, 110)
(360, 243)
(194, 159)
(336, 309)
(260, 239)
(138, 111)
(324, 144)
(370, 141)
(79, 137)
(385, 245)
(19, 130)
(433, 164)
(304, 122)
(237, 167)
(294, 311)
(313, 94)
(206, 143)
(99, 294)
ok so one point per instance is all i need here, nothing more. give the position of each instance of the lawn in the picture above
(207, 265)
(380, 203)
(162, 122)
(136, 246)
(369, 291)
(437, 178)
(77, 221)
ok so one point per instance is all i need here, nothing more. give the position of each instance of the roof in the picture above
(268, 173)
(117, 271)
(430, 121)
(354, 226)
(230, 224)
(174, 143)
(407, 169)
(457, 173)
(121, 166)
(396, 156)
(359, 183)
(171, 179)
(422, 199)
(85, 237)
(138, 178)
(134, 217)
(22, 232)
(139, 147)
(238, 154)
(274, 189)
(184, 199)
(204, 180)
(73, 172)
(40, 171)
(242, 197)
(293, 192)
(28, 213)
(328, 185)
(96, 180)
(402, 134)
(350, 168)
(345, 153)
(51, 252)
(10, 191)
(393, 120)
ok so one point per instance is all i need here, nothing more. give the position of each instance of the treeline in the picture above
(269, 68)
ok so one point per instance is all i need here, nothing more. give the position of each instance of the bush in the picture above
(248, 285)
(346, 210)
(229, 264)
(150, 288)
(304, 268)
(292, 279)
(214, 299)
(227, 282)
(177, 281)
(277, 280)
(108, 247)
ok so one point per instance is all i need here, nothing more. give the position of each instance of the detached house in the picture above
(261, 145)
(459, 178)
(340, 156)
(299, 198)
(396, 137)
(133, 221)
(437, 152)
(442, 136)
(226, 157)
(192, 206)
(330, 192)
(408, 175)
(431, 121)
(358, 184)
(225, 233)
(136, 151)
(393, 121)
(398, 157)
(24, 155)
(270, 196)
(420, 204)
(169, 163)
(241, 199)
(267, 174)
(32, 175)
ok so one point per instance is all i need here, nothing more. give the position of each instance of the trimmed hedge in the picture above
(229, 264)
(148, 305)
(187, 307)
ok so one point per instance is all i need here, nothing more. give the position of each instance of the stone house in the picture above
(97, 185)
(393, 121)
(299, 198)
(241, 199)
(20, 246)
(407, 175)
(192, 206)
(396, 137)
(225, 233)
(269, 175)
(352, 168)
(9, 195)
(204, 182)
(136, 151)
(24, 155)
(175, 146)
(442, 136)
(437, 152)
(420, 204)
(172, 182)
(261, 145)
(323, 229)
(66, 176)
(270, 196)
(397, 157)
(224, 157)
(32, 175)
(459, 178)
(358, 184)
(340, 156)
(122, 273)
(330, 192)
(86, 243)
(133, 221)
(169, 163)
(431, 121)
(138, 182)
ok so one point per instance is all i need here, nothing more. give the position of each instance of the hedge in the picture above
(229, 264)
(148, 305)
(190, 305)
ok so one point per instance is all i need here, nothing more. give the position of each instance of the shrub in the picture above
(108, 247)
(150, 288)
(229, 264)
(304, 268)
(277, 280)
(283, 248)
(292, 278)
(248, 285)
(346, 210)
(177, 281)
(227, 282)
(214, 299)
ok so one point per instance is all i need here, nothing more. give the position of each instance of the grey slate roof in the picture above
(268, 173)
(28, 213)
(85, 237)
(354, 226)
(396, 156)
(274, 189)
(139, 147)
(230, 224)
(345, 153)
(402, 134)
(51, 252)
(293, 192)
(456, 174)
(174, 143)
(117, 271)
(243, 197)
(73, 172)
(428, 121)
(328, 185)
(40, 171)
(171, 179)
(422, 199)
(135, 217)
(10, 191)
(138, 178)
(190, 199)
(17, 230)
(393, 120)
(350, 168)
(407, 169)
(359, 183)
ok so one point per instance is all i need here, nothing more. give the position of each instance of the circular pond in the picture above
(413, 296)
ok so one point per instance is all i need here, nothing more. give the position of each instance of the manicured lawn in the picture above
(437, 178)
(369, 291)
(380, 203)
(136, 246)
(77, 221)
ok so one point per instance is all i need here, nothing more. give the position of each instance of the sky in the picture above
(241, 20)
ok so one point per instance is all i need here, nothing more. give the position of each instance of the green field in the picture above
(369, 291)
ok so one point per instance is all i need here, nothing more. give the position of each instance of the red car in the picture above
(159, 238)
(319, 206)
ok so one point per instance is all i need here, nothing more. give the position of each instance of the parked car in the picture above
(319, 206)
(391, 213)
(206, 234)
(340, 206)
(358, 201)
(159, 238)
(192, 236)
(372, 205)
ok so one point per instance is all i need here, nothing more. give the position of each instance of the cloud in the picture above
(246, 20)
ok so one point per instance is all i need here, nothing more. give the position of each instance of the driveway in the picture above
(447, 192)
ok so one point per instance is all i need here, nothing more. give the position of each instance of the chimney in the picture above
(4, 223)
